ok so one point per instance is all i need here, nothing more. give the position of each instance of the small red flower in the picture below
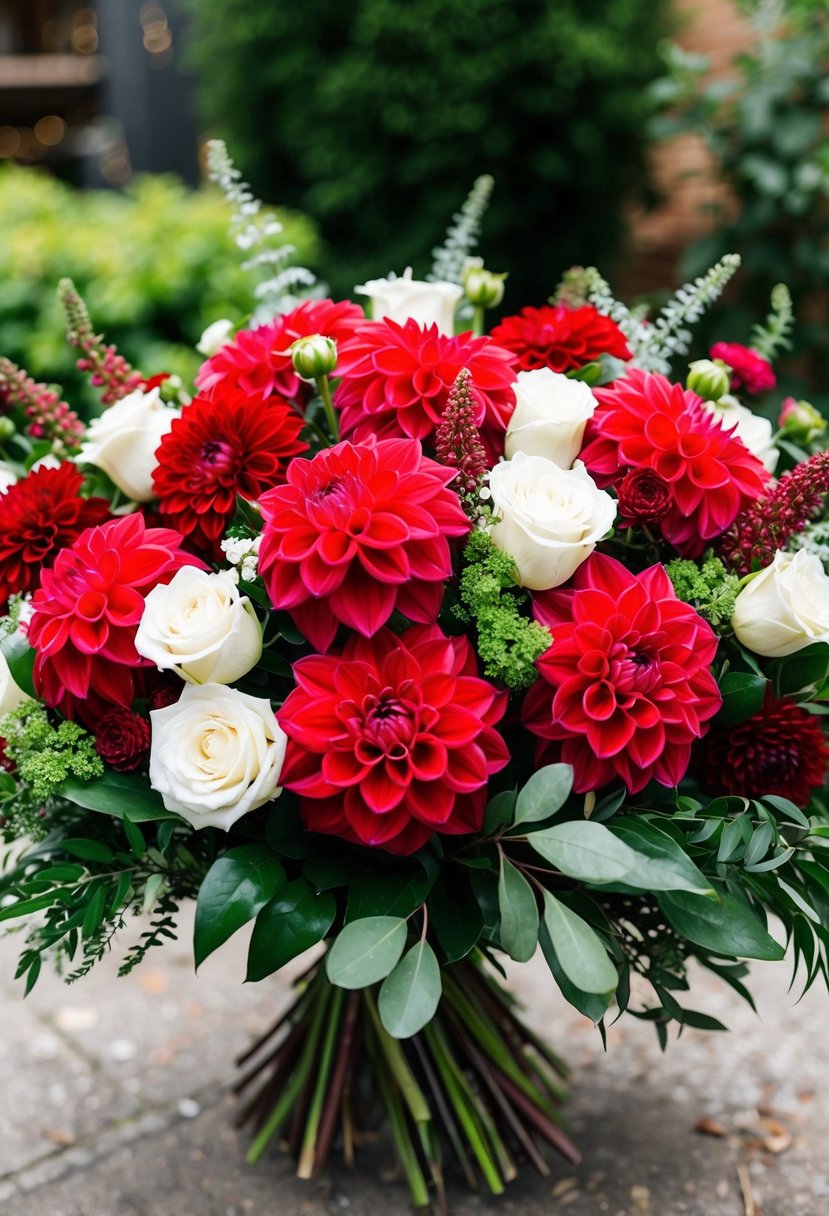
(220, 447)
(748, 368)
(357, 532)
(645, 422)
(256, 360)
(122, 739)
(624, 689)
(40, 515)
(87, 609)
(559, 337)
(396, 380)
(780, 750)
(393, 739)
(644, 498)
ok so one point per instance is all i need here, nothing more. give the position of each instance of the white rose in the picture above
(550, 415)
(10, 694)
(7, 476)
(124, 440)
(404, 298)
(214, 338)
(785, 607)
(201, 627)
(550, 518)
(753, 430)
(216, 754)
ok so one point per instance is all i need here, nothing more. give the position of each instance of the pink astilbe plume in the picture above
(48, 416)
(798, 498)
(109, 370)
(458, 441)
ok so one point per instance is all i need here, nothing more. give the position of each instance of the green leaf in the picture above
(289, 924)
(758, 846)
(668, 868)
(410, 995)
(519, 913)
(236, 887)
(333, 870)
(365, 951)
(137, 843)
(584, 850)
(117, 794)
(723, 925)
(742, 695)
(87, 850)
(398, 893)
(589, 1004)
(544, 794)
(21, 660)
(455, 915)
(787, 808)
(579, 949)
(805, 670)
(499, 812)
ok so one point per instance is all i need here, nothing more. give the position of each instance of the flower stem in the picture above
(478, 320)
(324, 390)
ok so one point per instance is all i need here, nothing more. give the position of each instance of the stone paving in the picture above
(114, 1103)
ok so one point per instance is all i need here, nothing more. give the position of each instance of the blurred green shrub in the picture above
(375, 117)
(155, 264)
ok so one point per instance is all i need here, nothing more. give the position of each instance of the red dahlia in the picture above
(87, 609)
(645, 422)
(220, 447)
(624, 689)
(122, 739)
(251, 362)
(780, 750)
(356, 532)
(396, 380)
(644, 498)
(559, 337)
(393, 739)
(748, 368)
(40, 515)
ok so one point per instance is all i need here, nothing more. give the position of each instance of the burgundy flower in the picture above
(644, 498)
(748, 367)
(780, 750)
(122, 739)
(393, 739)
(624, 689)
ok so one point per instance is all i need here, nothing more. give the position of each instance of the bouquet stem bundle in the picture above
(475, 1088)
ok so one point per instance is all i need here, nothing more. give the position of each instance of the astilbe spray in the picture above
(109, 370)
(458, 443)
(49, 417)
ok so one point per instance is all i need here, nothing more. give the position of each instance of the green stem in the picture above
(324, 390)
(305, 1169)
(405, 1148)
(398, 1064)
(478, 320)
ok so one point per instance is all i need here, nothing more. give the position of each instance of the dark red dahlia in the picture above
(396, 380)
(559, 337)
(748, 368)
(393, 739)
(87, 609)
(122, 739)
(780, 750)
(357, 532)
(645, 422)
(40, 515)
(625, 687)
(644, 498)
(223, 446)
(256, 360)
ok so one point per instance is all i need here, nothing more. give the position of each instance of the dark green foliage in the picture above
(375, 117)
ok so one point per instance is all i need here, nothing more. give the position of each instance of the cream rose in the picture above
(10, 694)
(549, 519)
(753, 430)
(785, 607)
(200, 626)
(404, 298)
(550, 415)
(214, 338)
(216, 754)
(124, 440)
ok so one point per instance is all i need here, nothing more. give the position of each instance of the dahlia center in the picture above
(389, 726)
(217, 455)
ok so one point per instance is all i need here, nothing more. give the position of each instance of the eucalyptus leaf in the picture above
(544, 794)
(519, 913)
(410, 994)
(365, 951)
(591, 1005)
(579, 949)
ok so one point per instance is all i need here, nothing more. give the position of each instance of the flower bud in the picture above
(709, 379)
(800, 421)
(314, 356)
(484, 288)
(214, 338)
(7, 428)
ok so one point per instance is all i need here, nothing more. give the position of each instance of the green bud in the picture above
(484, 288)
(314, 356)
(800, 421)
(7, 428)
(709, 379)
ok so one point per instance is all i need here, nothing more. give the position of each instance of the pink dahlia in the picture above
(393, 739)
(645, 422)
(357, 532)
(255, 360)
(87, 610)
(625, 687)
(559, 337)
(396, 380)
(748, 368)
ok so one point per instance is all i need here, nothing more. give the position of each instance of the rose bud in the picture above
(709, 379)
(800, 421)
(314, 357)
(644, 498)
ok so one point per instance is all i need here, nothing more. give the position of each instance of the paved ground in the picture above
(113, 1104)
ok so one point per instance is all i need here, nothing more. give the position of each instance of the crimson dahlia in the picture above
(40, 515)
(357, 532)
(393, 739)
(87, 610)
(396, 380)
(559, 337)
(645, 422)
(624, 689)
(220, 447)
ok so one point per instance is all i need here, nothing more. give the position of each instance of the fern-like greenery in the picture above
(773, 335)
(462, 234)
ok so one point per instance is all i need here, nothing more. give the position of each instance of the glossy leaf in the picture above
(742, 694)
(116, 794)
(289, 924)
(237, 886)
(723, 925)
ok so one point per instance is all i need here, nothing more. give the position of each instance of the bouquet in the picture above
(421, 646)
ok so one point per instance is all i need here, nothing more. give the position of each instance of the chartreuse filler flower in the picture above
(419, 648)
